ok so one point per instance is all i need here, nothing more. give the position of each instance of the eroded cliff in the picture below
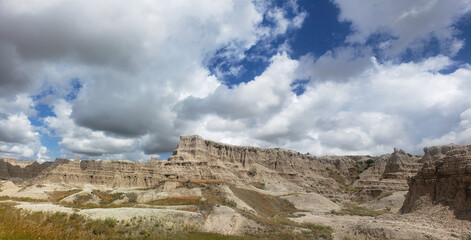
(10, 168)
(197, 158)
(445, 179)
(388, 173)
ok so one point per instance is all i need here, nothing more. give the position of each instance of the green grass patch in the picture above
(353, 209)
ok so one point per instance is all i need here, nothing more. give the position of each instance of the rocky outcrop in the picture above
(121, 173)
(388, 173)
(197, 158)
(445, 179)
(304, 170)
(10, 168)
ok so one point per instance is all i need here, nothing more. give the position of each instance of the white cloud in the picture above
(144, 78)
(386, 105)
(16, 128)
(135, 61)
(18, 137)
(82, 140)
(461, 134)
(410, 23)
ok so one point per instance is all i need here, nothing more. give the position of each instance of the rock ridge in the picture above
(444, 179)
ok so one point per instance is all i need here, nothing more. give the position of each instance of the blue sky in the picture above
(123, 80)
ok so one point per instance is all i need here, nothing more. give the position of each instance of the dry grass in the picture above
(281, 228)
(384, 194)
(183, 200)
(82, 198)
(265, 205)
(22, 199)
(202, 181)
(18, 225)
(107, 197)
(59, 195)
(353, 209)
(258, 185)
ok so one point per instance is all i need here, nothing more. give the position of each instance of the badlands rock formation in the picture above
(389, 173)
(197, 158)
(277, 169)
(9, 168)
(358, 196)
(444, 179)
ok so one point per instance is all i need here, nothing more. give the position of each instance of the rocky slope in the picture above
(388, 173)
(444, 179)
(9, 168)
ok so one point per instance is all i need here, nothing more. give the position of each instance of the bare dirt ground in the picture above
(436, 223)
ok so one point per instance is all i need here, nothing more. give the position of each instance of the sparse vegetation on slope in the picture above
(183, 200)
(17, 224)
(354, 209)
(266, 205)
(22, 199)
(59, 195)
(107, 197)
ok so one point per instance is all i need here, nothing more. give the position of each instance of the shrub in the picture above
(369, 162)
(132, 197)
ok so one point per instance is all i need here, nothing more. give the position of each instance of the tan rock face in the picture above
(445, 179)
(389, 173)
(197, 158)
(10, 168)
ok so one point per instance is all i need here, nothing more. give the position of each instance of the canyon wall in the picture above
(388, 173)
(445, 179)
(197, 158)
(275, 168)
(10, 168)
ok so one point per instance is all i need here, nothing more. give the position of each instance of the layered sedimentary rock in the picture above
(197, 158)
(10, 168)
(120, 173)
(445, 178)
(389, 173)
(304, 170)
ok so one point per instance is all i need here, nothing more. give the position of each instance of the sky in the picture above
(116, 79)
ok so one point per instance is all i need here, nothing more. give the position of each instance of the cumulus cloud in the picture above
(402, 25)
(83, 140)
(353, 61)
(18, 137)
(263, 95)
(386, 105)
(134, 62)
(16, 128)
(461, 134)
(125, 79)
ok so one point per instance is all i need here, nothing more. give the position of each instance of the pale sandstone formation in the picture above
(196, 158)
(225, 220)
(389, 173)
(445, 179)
